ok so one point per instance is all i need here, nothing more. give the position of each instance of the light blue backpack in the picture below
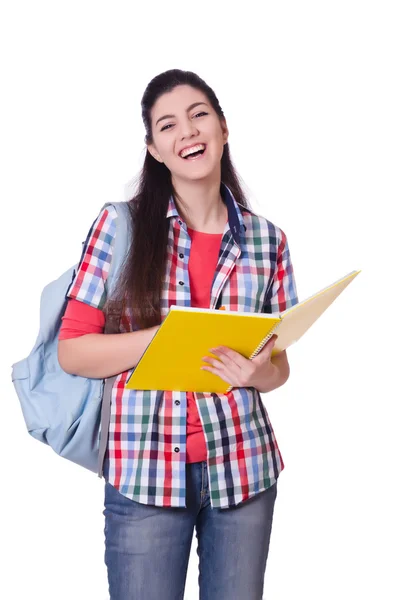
(68, 412)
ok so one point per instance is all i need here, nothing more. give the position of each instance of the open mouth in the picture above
(195, 155)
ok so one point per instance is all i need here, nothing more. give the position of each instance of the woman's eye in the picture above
(170, 124)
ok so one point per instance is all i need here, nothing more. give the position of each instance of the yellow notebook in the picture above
(173, 358)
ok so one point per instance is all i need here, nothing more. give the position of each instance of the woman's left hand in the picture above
(239, 371)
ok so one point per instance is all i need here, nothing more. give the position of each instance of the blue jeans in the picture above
(147, 547)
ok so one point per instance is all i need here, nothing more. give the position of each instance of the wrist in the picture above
(271, 379)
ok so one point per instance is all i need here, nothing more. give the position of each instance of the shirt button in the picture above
(176, 449)
(181, 255)
(181, 283)
(180, 222)
(177, 402)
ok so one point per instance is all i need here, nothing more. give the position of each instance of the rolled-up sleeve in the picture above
(89, 283)
(282, 293)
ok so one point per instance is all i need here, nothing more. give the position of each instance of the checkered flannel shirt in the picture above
(147, 434)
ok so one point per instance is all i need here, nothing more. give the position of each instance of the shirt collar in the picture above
(235, 218)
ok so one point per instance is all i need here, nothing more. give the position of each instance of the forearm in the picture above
(277, 376)
(98, 355)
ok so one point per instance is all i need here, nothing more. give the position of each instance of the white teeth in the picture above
(188, 151)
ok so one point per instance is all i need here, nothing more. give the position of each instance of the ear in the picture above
(225, 131)
(152, 149)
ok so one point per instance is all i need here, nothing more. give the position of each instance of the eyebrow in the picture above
(187, 110)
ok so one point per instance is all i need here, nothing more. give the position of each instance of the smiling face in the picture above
(184, 119)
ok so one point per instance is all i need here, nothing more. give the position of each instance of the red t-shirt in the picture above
(80, 319)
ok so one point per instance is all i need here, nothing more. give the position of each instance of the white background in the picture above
(309, 92)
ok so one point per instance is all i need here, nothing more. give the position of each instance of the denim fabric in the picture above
(147, 547)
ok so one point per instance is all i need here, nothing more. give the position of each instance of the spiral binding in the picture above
(259, 348)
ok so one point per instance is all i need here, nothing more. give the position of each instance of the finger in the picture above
(228, 355)
(220, 373)
(224, 367)
(273, 339)
(211, 362)
(265, 353)
(270, 343)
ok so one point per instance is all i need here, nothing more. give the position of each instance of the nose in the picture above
(188, 128)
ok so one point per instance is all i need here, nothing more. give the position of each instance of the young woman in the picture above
(177, 461)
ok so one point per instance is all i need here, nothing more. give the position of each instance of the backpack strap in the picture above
(105, 421)
(113, 314)
(121, 242)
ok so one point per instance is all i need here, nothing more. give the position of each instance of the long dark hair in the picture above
(141, 281)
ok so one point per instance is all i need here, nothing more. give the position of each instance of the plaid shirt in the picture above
(147, 433)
